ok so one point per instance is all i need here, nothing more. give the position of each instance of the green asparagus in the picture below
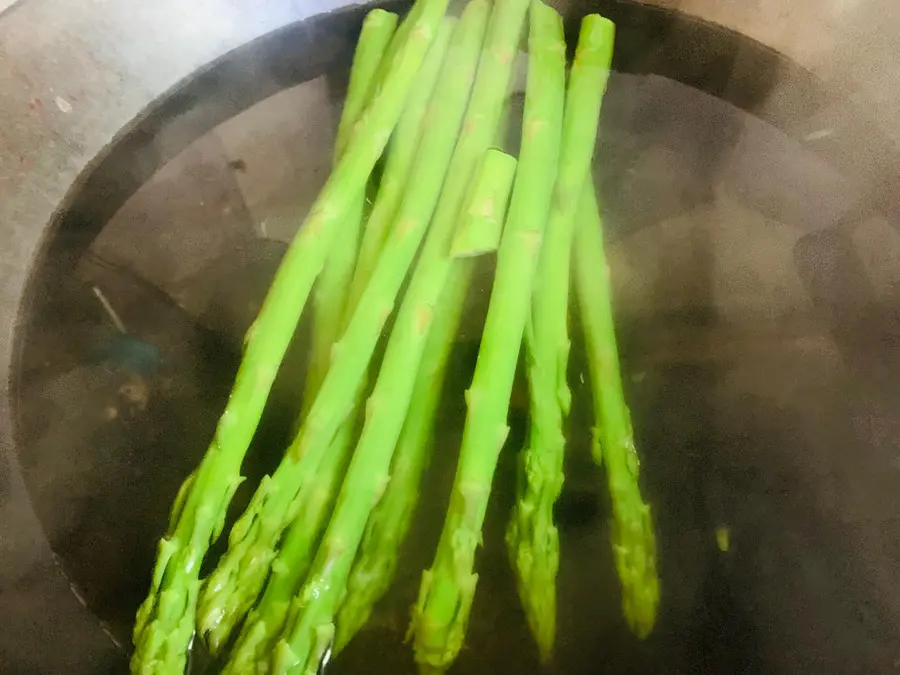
(401, 155)
(368, 475)
(377, 29)
(265, 621)
(346, 278)
(634, 544)
(165, 621)
(341, 284)
(389, 522)
(532, 537)
(368, 64)
(330, 296)
(482, 222)
(444, 285)
(479, 129)
(254, 538)
(441, 615)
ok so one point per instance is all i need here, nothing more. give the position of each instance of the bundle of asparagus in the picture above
(318, 544)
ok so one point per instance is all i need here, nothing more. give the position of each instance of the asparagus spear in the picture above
(352, 277)
(440, 617)
(334, 302)
(265, 622)
(482, 223)
(250, 652)
(532, 537)
(377, 30)
(312, 625)
(347, 274)
(254, 538)
(330, 296)
(402, 152)
(479, 129)
(165, 621)
(370, 67)
(401, 35)
(389, 522)
(445, 282)
(376, 34)
(634, 544)
(227, 610)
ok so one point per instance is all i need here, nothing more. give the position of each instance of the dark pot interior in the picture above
(755, 267)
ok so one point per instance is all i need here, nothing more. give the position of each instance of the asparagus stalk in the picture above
(401, 35)
(482, 223)
(316, 605)
(254, 539)
(634, 544)
(532, 537)
(402, 153)
(347, 274)
(330, 296)
(441, 615)
(371, 51)
(265, 621)
(165, 621)
(231, 609)
(389, 522)
(334, 303)
(479, 129)
(446, 280)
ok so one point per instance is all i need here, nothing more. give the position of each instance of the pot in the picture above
(749, 161)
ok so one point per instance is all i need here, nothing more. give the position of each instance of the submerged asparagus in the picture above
(254, 538)
(442, 612)
(389, 522)
(346, 277)
(266, 620)
(532, 537)
(481, 223)
(165, 621)
(401, 155)
(330, 296)
(316, 605)
(634, 544)
(371, 64)
(479, 129)
(217, 625)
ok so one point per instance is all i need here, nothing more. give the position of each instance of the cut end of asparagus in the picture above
(549, 35)
(595, 41)
(379, 18)
(485, 211)
(374, 38)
